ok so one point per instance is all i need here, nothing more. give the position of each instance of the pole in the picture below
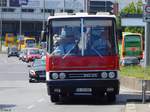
(146, 55)
(143, 91)
(43, 14)
(1, 31)
(20, 27)
(85, 5)
(105, 5)
(64, 7)
(147, 42)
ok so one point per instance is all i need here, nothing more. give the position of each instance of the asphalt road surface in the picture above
(18, 95)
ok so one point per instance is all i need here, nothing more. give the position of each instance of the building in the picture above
(94, 6)
(26, 16)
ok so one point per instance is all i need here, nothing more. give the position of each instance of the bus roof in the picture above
(31, 38)
(81, 15)
(130, 33)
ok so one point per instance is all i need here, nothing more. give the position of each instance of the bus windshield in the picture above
(30, 43)
(133, 41)
(83, 36)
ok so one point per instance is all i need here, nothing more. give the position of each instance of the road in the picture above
(18, 95)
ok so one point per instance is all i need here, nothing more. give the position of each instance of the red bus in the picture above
(82, 58)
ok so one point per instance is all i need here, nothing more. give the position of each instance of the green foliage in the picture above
(133, 8)
(139, 5)
(136, 71)
(134, 30)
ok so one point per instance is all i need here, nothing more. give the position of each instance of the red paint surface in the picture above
(82, 63)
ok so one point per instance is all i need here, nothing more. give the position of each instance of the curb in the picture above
(133, 83)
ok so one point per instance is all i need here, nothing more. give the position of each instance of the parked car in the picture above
(12, 51)
(37, 71)
(43, 53)
(31, 54)
(127, 61)
(21, 54)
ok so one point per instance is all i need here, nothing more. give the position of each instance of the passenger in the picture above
(64, 44)
(102, 44)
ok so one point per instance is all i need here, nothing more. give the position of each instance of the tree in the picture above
(139, 5)
(133, 8)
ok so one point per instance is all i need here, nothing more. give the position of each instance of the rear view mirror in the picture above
(43, 35)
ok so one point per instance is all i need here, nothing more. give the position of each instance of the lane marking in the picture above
(12, 72)
(40, 100)
(130, 108)
(30, 107)
(149, 105)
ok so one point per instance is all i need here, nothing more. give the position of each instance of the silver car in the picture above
(127, 61)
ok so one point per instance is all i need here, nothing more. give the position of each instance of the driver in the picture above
(63, 44)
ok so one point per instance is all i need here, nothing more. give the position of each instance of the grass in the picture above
(136, 71)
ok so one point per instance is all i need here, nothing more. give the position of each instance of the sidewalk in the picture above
(137, 107)
(134, 101)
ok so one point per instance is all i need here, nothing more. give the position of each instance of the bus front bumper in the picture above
(83, 87)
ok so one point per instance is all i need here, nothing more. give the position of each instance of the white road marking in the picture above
(30, 107)
(124, 89)
(5, 61)
(130, 107)
(13, 72)
(40, 100)
(149, 105)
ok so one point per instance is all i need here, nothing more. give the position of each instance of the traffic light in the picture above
(100, 6)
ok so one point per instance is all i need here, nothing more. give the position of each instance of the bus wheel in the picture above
(54, 98)
(111, 97)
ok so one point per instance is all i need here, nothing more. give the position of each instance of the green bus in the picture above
(132, 45)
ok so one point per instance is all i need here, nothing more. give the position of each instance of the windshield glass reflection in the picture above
(96, 40)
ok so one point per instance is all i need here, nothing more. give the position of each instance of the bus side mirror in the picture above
(43, 35)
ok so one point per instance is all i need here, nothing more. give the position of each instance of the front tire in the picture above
(111, 98)
(30, 81)
(54, 98)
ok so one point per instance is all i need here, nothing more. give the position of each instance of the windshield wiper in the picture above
(97, 52)
(76, 43)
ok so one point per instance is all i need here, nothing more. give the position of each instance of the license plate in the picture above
(42, 76)
(84, 90)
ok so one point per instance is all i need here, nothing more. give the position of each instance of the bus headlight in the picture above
(104, 75)
(62, 75)
(54, 75)
(111, 75)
